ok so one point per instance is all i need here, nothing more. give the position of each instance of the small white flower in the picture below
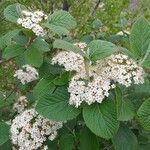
(26, 74)
(29, 130)
(70, 60)
(31, 20)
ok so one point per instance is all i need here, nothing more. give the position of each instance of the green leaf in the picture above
(6, 39)
(88, 141)
(99, 49)
(62, 79)
(61, 44)
(125, 139)
(13, 51)
(13, 12)
(40, 44)
(140, 37)
(66, 142)
(57, 29)
(33, 57)
(62, 19)
(6, 103)
(96, 24)
(6, 146)
(146, 59)
(56, 106)
(4, 132)
(125, 109)
(144, 114)
(47, 68)
(101, 119)
(43, 87)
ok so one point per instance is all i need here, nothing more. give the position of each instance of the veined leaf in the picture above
(144, 114)
(61, 44)
(33, 57)
(99, 49)
(57, 29)
(140, 37)
(13, 51)
(101, 119)
(44, 87)
(4, 132)
(66, 142)
(62, 19)
(55, 106)
(125, 139)
(40, 44)
(88, 141)
(13, 12)
(125, 109)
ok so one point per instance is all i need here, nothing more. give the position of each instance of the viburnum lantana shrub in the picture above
(74, 94)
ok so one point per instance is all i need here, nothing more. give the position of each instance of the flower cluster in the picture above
(31, 20)
(82, 90)
(70, 60)
(117, 68)
(101, 77)
(21, 104)
(26, 74)
(29, 131)
(120, 68)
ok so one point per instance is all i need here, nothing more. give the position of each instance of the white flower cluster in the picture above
(70, 60)
(21, 104)
(93, 83)
(31, 20)
(29, 131)
(120, 68)
(82, 90)
(26, 74)
(117, 68)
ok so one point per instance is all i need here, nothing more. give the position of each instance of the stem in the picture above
(95, 8)
(70, 130)
(146, 55)
(11, 93)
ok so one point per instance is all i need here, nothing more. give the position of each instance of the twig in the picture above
(95, 8)
(70, 130)
(65, 5)
(11, 93)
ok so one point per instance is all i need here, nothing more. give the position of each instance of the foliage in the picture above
(119, 122)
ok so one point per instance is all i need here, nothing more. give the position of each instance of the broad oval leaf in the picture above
(13, 12)
(62, 19)
(99, 49)
(66, 142)
(4, 132)
(55, 106)
(140, 37)
(61, 44)
(62, 79)
(144, 114)
(6, 39)
(125, 109)
(88, 141)
(40, 44)
(33, 57)
(57, 29)
(125, 139)
(43, 87)
(101, 119)
(13, 51)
